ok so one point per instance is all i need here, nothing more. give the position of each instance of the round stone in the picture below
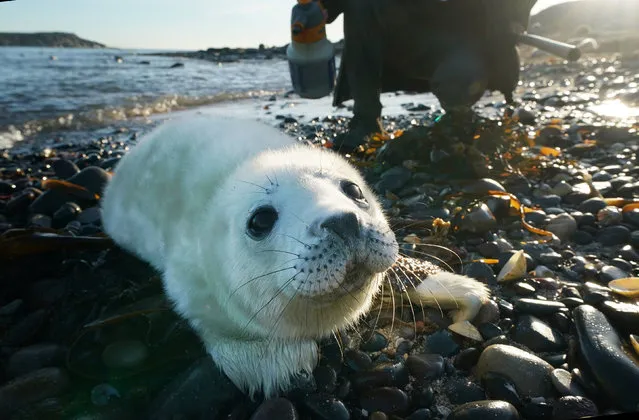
(125, 354)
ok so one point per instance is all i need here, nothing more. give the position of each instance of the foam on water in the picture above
(46, 90)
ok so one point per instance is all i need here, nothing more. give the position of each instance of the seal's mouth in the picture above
(356, 278)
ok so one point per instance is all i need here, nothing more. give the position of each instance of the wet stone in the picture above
(422, 396)
(586, 381)
(482, 186)
(537, 307)
(632, 217)
(462, 391)
(560, 321)
(634, 239)
(489, 330)
(505, 307)
(479, 220)
(592, 205)
(64, 169)
(523, 289)
(529, 373)
(425, 367)
(201, 391)
(548, 201)
(629, 253)
(621, 264)
(482, 272)
(537, 335)
(565, 384)
(40, 221)
(393, 375)
(610, 272)
(378, 415)
(563, 225)
(357, 360)
(325, 379)
(125, 354)
(326, 407)
(421, 414)
(441, 342)
(538, 410)
(376, 342)
(573, 407)
(623, 315)
(35, 357)
(11, 308)
(571, 302)
(103, 394)
(489, 312)
(613, 235)
(550, 258)
(595, 297)
(25, 330)
(487, 409)
(109, 164)
(499, 387)
(601, 349)
(393, 179)
(65, 214)
(556, 360)
(562, 188)
(278, 408)
(489, 249)
(467, 358)
(581, 237)
(387, 400)
(21, 202)
(586, 220)
(93, 178)
(90, 216)
(571, 292)
(31, 388)
(343, 388)
(536, 217)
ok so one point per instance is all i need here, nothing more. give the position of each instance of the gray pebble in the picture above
(529, 373)
(565, 384)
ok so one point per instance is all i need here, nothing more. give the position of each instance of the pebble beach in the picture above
(539, 201)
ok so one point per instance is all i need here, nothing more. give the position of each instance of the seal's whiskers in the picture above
(279, 291)
(266, 190)
(425, 254)
(259, 277)
(443, 248)
(410, 303)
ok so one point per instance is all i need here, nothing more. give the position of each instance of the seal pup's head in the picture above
(300, 247)
(284, 247)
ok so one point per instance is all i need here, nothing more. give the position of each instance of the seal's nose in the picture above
(344, 225)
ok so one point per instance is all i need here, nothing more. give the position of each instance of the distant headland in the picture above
(46, 39)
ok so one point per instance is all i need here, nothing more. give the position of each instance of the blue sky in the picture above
(164, 24)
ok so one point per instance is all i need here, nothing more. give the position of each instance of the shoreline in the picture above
(91, 322)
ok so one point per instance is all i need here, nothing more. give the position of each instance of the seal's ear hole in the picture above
(353, 191)
(261, 222)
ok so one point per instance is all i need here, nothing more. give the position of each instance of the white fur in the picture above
(181, 200)
(449, 291)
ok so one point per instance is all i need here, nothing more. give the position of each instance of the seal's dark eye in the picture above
(353, 191)
(261, 222)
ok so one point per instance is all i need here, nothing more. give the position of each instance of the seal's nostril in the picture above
(344, 225)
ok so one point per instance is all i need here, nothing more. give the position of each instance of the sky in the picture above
(165, 24)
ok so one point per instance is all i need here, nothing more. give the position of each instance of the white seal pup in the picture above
(264, 245)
